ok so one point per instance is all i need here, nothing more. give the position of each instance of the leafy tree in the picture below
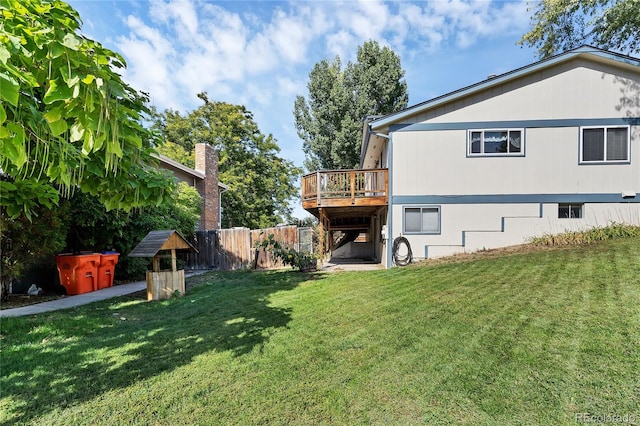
(178, 153)
(330, 121)
(559, 25)
(261, 183)
(93, 228)
(67, 120)
(23, 242)
(83, 223)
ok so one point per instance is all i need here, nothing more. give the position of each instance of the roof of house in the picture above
(187, 170)
(156, 241)
(176, 165)
(587, 51)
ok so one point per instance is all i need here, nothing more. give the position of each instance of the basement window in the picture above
(421, 220)
(570, 211)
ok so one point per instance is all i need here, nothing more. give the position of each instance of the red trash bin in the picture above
(106, 269)
(78, 272)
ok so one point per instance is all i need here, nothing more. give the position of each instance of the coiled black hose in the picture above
(397, 258)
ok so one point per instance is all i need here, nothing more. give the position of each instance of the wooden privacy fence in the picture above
(232, 249)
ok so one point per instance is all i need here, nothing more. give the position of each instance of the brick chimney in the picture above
(207, 163)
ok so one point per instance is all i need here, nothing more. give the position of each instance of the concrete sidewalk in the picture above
(83, 299)
(340, 265)
(73, 301)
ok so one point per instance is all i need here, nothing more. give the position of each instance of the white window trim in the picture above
(605, 161)
(436, 232)
(495, 154)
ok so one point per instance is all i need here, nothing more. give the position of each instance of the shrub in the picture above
(613, 231)
(296, 259)
(95, 229)
(24, 241)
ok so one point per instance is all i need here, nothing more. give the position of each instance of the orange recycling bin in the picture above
(78, 272)
(106, 269)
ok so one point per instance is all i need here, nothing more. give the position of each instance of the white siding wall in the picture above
(435, 162)
(576, 89)
(472, 227)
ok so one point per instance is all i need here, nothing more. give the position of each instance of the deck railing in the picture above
(344, 184)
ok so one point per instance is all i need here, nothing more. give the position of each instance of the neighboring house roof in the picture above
(588, 51)
(172, 164)
(176, 165)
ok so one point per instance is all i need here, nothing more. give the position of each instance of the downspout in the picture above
(390, 204)
(220, 191)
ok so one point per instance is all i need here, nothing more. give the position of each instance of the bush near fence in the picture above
(235, 249)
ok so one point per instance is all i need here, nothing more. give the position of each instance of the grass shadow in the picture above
(52, 361)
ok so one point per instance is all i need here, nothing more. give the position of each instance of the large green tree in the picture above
(67, 119)
(23, 242)
(93, 228)
(330, 120)
(262, 184)
(559, 25)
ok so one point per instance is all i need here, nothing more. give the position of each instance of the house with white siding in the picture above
(547, 148)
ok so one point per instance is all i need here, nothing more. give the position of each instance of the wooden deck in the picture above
(344, 200)
(353, 192)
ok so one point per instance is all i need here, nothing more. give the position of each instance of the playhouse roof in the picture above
(156, 241)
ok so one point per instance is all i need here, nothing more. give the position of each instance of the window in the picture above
(496, 142)
(570, 211)
(422, 220)
(604, 144)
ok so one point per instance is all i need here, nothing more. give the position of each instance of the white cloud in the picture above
(422, 23)
(148, 46)
(367, 20)
(289, 35)
(205, 46)
(262, 54)
(288, 86)
(340, 43)
(180, 12)
(143, 32)
(519, 17)
(467, 21)
(261, 58)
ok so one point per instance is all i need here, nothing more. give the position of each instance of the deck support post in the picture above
(352, 185)
(319, 191)
(325, 232)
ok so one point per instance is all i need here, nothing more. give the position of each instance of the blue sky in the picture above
(259, 53)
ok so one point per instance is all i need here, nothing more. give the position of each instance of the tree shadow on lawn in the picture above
(91, 350)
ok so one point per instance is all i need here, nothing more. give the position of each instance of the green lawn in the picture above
(529, 338)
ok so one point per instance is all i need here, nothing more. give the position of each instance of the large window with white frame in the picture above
(496, 142)
(421, 220)
(604, 144)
